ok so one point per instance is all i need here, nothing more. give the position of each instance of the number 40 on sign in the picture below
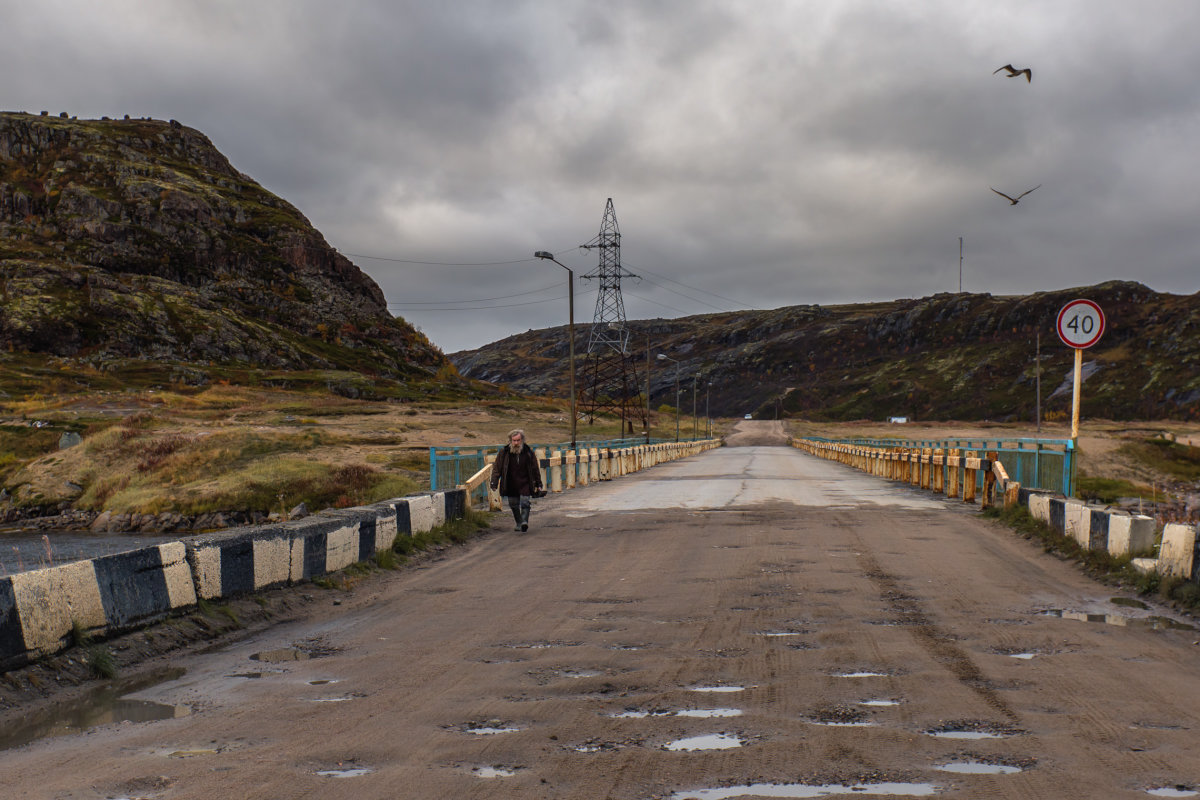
(1080, 325)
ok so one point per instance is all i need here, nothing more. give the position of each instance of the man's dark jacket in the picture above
(527, 461)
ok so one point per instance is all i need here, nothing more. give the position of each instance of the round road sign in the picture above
(1080, 324)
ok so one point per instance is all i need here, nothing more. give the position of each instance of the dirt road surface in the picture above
(814, 626)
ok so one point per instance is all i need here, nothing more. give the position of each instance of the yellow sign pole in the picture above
(1075, 393)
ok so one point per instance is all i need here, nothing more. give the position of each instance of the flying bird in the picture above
(1013, 200)
(1014, 72)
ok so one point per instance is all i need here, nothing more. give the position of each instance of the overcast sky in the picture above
(759, 153)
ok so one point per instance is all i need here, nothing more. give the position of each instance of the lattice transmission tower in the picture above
(610, 376)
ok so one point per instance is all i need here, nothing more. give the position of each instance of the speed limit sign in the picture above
(1080, 324)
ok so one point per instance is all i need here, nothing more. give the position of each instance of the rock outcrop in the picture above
(137, 239)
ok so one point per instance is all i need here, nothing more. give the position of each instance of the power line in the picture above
(439, 263)
(697, 289)
(480, 300)
(502, 305)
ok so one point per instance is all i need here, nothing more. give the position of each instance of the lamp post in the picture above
(664, 357)
(571, 332)
(707, 418)
(695, 419)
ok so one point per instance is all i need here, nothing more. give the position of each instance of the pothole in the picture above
(973, 729)
(494, 772)
(840, 716)
(322, 681)
(1178, 790)
(101, 707)
(623, 647)
(281, 655)
(1120, 620)
(802, 790)
(1129, 602)
(711, 741)
(1019, 653)
(977, 768)
(717, 689)
(879, 703)
(693, 713)
(538, 645)
(862, 673)
(490, 728)
(780, 633)
(345, 772)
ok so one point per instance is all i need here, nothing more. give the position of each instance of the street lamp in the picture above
(664, 357)
(695, 419)
(571, 332)
(707, 418)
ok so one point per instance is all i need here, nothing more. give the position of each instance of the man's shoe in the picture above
(517, 528)
(524, 527)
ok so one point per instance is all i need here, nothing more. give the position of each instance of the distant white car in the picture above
(748, 416)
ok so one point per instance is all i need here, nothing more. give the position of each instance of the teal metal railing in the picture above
(1034, 463)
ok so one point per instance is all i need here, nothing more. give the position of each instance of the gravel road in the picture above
(749, 622)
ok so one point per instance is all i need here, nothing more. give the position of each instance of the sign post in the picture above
(1080, 325)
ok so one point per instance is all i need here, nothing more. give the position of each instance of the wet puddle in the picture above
(1155, 623)
(348, 772)
(802, 790)
(539, 645)
(879, 703)
(861, 674)
(717, 689)
(281, 655)
(493, 772)
(780, 633)
(712, 741)
(578, 673)
(694, 713)
(1173, 791)
(977, 768)
(972, 729)
(102, 707)
(322, 681)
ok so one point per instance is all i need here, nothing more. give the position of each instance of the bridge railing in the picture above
(953, 472)
(1047, 464)
(451, 467)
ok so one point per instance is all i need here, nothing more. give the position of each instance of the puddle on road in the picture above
(538, 645)
(780, 633)
(879, 703)
(977, 768)
(694, 713)
(103, 706)
(1179, 790)
(861, 674)
(803, 790)
(717, 689)
(346, 772)
(578, 673)
(1155, 623)
(973, 729)
(322, 681)
(712, 741)
(281, 655)
(493, 772)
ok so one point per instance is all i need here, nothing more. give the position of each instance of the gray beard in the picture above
(515, 449)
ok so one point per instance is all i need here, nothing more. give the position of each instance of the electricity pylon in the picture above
(610, 376)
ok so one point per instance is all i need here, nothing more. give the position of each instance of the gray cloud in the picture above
(762, 154)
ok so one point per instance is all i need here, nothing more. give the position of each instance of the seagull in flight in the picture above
(1013, 200)
(1014, 72)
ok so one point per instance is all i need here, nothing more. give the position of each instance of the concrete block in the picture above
(455, 504)
(1039, 506)
(1098, 530)
(1177, 556)
(1058, 514)
(1077, 521)
(341, 547)
(134, 585)
(1146, 566)
(272, 560)
(49, 601)
(1129, 535)
(421, 513)
(12, 636)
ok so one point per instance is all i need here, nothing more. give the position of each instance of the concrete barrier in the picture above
(1130, 535)
(40, 609)
(1177, 556)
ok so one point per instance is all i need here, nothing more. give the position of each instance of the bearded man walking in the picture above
(515, 475)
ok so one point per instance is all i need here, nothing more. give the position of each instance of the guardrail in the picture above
(1034, 463)
(450, 467)
(951, 472)
(564, 469)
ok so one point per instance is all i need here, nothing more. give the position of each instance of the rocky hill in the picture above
(949, 356)
(137, 239)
